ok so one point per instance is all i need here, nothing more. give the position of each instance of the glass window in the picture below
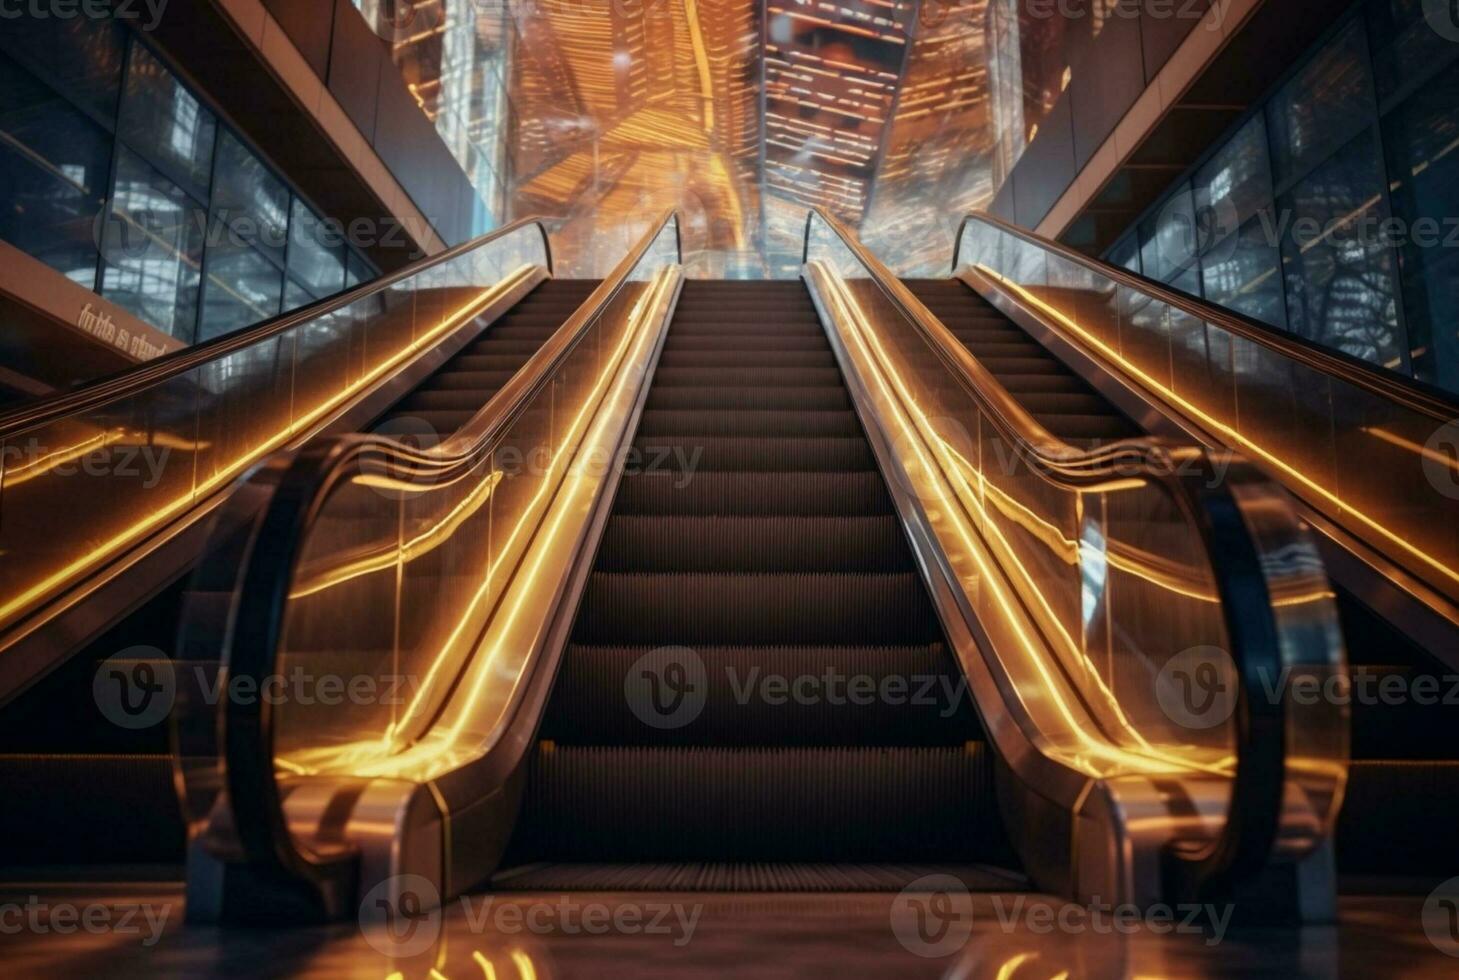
(296, 296)
(357, 271)
(1170, 241)
(316, 252)
(1237, 182)
(54, 163)
(1406, 47)
(1338, 267)
(250, 205)
(1328, 101)
(1125, 253)
(80, 58)
(243, 288)
(165, 123)
(152, 247)
(1422, 140)
(1243, 272)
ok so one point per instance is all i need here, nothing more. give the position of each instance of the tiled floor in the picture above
(605, 935)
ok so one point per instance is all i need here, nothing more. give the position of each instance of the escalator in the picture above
(88, 742)
(790, 637)
(1403, 784)
(762, 551)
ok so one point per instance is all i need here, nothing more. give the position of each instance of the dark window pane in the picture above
(53, 165)
(1406, 47)
(1243, 272)
(357, 271)
(1237, 182)
(1337, 266)
(82, 58)
(1125, 253)
(165, 123)
(1422, 138)
(1169, 241)
(296, 296)
(152, 244)
(1322, 107)
(243, 288)
(316, 252)
(250, 204)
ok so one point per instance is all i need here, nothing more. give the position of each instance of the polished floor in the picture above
(138, 931)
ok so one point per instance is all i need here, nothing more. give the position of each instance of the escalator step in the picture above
(753, 544)
(764, 493)
(873, 608)
(446, 399)
(473, 380)
(693, 455)
(698, 876)
(749, 424)
(761, 377)
(90, 809)
(746, 358)
(762, 695)
(1397, 818)
(588, 803)
(747, 399)
(759, 342)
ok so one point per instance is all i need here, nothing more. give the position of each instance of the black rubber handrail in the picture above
(133, 381)
(1413, 394)
(1245, 843)
(298, 487)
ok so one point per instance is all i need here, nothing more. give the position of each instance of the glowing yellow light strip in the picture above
(1394, 439)
(422, 544)
(1226, 431)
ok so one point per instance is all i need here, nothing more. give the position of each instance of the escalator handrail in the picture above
(132, 381)
(1411, 393)
(1248, 836)
(300, 484)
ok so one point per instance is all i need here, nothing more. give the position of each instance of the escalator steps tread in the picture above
(628, 803)
(758, 532)
(666, 543)
(462, 386)
(747, 877)
(1061, 401)
(729, 608)
(1397, 817)
(753, 695)
(90, 808)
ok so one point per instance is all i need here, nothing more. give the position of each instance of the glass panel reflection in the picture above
(152, 248)
(165, 122)
(54, 164)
